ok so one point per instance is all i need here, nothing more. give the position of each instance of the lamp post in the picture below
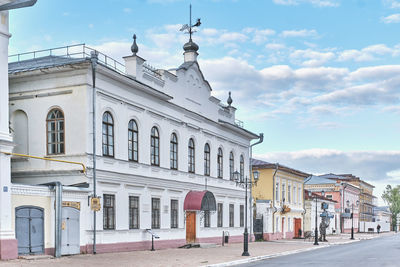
(246, 183)
(352, 216)
(316, 216)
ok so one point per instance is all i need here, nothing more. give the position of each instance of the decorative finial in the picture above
(134, 47)
(190, 46)
(229, 101)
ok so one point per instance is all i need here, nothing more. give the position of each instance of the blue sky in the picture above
(320, 78)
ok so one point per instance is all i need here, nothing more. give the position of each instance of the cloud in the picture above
(368, 53)
(394, 18)
(299, 33)
(392, 3)
(127, 10)
(377, 167)
(311, 58)
(318, 3)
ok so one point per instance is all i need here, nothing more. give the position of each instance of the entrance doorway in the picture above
(190, 226)
(297, 227)
(29, 229)
(70, 243)
(283, 228)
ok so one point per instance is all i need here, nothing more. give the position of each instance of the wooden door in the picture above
(190, 226)
(297, 227)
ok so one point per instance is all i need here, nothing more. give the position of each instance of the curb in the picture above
(264, 257)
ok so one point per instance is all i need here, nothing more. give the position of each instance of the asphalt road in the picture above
(381, 251)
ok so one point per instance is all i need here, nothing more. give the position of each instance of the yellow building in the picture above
(278, 199)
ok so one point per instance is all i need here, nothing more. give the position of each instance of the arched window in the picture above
(241, 168)
(207, 160)
(155, 147)
(220, 163)
(191, 155)
(108, 135)
(174, 152)
(133, 145)
(55, 132)
(231, 166)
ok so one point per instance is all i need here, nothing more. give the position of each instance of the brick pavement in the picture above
(218, 256)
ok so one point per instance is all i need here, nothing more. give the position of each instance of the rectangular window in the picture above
(108, 212)
(174, 213)
(288, 193)
(299, 196)
(277, 192)
(231, 215)
(220, 214)
(277, 224)
(294, 194)
(329, 196)
(206, 218)
(283, 192)
(133, 212)
(241, 215)
(155, 213)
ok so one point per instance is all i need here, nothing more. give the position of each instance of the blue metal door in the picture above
(29, 224)
(70, 242)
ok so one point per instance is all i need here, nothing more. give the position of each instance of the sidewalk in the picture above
(212, 256)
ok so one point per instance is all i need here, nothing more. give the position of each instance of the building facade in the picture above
(313, 203)
(278, 197)
(165, 148)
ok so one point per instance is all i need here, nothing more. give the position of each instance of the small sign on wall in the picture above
(95, 204)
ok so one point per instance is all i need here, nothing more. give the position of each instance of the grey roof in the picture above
(332, 176)
(41, 62)
(319, 180)
(255, 162)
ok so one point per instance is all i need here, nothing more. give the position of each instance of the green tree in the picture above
(391, 196)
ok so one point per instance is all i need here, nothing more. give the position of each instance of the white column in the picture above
(8, 244)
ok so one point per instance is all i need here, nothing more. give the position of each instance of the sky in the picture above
(320, 78)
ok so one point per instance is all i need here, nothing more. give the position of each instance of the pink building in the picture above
(346, 196)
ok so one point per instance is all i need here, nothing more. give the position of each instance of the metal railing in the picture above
(151, 71)
(71, 51)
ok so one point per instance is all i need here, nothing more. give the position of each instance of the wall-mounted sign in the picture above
(72, 204)
(95, 204)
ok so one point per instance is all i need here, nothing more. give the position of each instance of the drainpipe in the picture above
(58, 217)
(93, 60)
(261, 139)
(273, 197)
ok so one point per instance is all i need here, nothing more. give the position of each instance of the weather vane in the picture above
(189, 27)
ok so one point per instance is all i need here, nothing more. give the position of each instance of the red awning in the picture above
(199, 200)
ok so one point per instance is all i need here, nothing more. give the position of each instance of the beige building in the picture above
(278, 197)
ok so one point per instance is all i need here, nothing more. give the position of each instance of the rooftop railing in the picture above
(70, 51)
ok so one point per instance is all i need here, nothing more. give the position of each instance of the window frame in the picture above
(134, 132)
(191, 156)
(174, 213)
(231, 166)
(56, 132)
(107, 210)
(155, 146)
(207, 219)
(220, 163)
(241, 215)
(173, 152)
(231, 215)
(220, 215)
(155, 213)
(207, 155)
(106, 143)
(134, 212)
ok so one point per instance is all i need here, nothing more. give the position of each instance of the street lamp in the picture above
(316, 215)
(352, 216)
(246, 182)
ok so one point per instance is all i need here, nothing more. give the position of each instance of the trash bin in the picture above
(226, 237)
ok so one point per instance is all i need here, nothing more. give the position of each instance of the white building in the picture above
(165, 148)
(8, 243)
(313, 206)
